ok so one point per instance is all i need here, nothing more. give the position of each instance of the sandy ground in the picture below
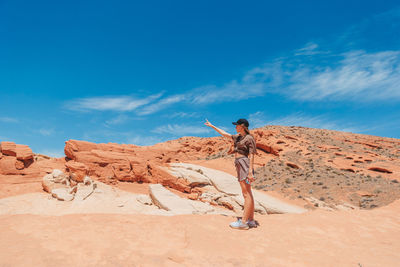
(317, 238)
(13, 185)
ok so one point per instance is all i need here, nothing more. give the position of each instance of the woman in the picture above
(244, 147)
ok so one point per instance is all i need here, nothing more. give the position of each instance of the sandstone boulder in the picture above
(8, 165)
(24, 153)
(77, 170)
(195, 177)
(229, 194)
(8, 148)
(50, 182)
(73, 146)
(165, 199)
(62, 194)
(19, 165)
(222, 181)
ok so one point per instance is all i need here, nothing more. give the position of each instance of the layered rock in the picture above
(225, 191)
(112, 162)
(14, 158)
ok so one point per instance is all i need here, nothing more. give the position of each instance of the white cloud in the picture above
(118, 103)
(257, 120)
(309, 49)
(183, 115)
(357, 76)
(46, 132)
(120, 119)
(230, 92)
(162, 104)
(180, 130)
(8, 120)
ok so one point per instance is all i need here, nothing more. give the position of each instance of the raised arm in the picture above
(220, 131)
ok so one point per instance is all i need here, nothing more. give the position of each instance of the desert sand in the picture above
(317, 238)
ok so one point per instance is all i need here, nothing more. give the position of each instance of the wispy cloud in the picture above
(120, 119)
(118, 103)
(257, 119)
(9, 120)
(180, 129)
(46, 131)
(161, 104)
(182, 115)
(309, 49)
(357, 76)
(230, 92)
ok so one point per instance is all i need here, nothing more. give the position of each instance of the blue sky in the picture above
(151, 71)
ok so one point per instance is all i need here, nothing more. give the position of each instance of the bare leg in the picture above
(248, 212)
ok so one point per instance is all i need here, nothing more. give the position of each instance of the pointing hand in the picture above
(207, 123)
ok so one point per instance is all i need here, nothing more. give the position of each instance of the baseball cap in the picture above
(241, 121)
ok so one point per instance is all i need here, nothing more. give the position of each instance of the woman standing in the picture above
(244, 148)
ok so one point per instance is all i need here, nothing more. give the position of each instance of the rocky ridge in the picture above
(320, 168)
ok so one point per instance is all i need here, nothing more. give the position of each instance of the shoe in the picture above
(239, 225)
(252, 223)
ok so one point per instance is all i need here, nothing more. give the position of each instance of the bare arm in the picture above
(220, 131)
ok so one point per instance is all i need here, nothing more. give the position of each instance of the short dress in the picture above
(244, 145)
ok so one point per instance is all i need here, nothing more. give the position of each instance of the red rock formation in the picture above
(77, 170)
(8, 148)
(24, 153)
(112, 162)
(18, 159)
(298, 153)
(7, 165)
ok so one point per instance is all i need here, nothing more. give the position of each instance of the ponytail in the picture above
(246, 129)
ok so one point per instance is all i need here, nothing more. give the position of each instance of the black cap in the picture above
(241, 121)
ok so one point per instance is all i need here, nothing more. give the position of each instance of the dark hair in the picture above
(246, 129)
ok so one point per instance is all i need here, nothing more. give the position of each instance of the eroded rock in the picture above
(8, 148)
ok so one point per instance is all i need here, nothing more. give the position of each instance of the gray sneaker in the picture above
(239, 225)
(252, 223)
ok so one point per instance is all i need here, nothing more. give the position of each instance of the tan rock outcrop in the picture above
(19, 165)
(77, 170)
(24, 153)
(113, 162)
(56, 179)
(8, 148)
(8, 165)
